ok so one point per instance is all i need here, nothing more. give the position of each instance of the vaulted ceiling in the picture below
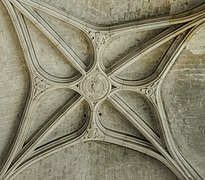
(102, 90)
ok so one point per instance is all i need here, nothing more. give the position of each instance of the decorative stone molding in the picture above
(95, 86)
(150, 91)
(93, 132)
(98, 38)
(40, 86)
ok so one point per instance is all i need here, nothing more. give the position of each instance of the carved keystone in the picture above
(95, 86)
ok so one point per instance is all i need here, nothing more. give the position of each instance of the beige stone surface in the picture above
(113, 162)
(183, 93)
(102, 90)
(14, 82)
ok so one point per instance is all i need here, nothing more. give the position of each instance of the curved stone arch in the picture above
(137, 148)
(171, 144)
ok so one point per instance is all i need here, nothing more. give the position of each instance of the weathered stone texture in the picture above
(97, 161)
(109, 12)
(116, 121)
(178, 6)
(196, 44)
(146, 65)
(70, 123)
(48, 56)
(142, 107)
(14, 82)
(124, 44)
(48, 105)
(183, 93)
(73, 37)
(184, 97)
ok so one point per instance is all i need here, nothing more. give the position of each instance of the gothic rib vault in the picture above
(98, 81)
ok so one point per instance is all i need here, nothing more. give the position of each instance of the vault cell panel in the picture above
(47, 54)
(14, 82)
(183, 93)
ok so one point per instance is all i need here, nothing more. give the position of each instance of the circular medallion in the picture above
(95, 86)
(41, 86)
